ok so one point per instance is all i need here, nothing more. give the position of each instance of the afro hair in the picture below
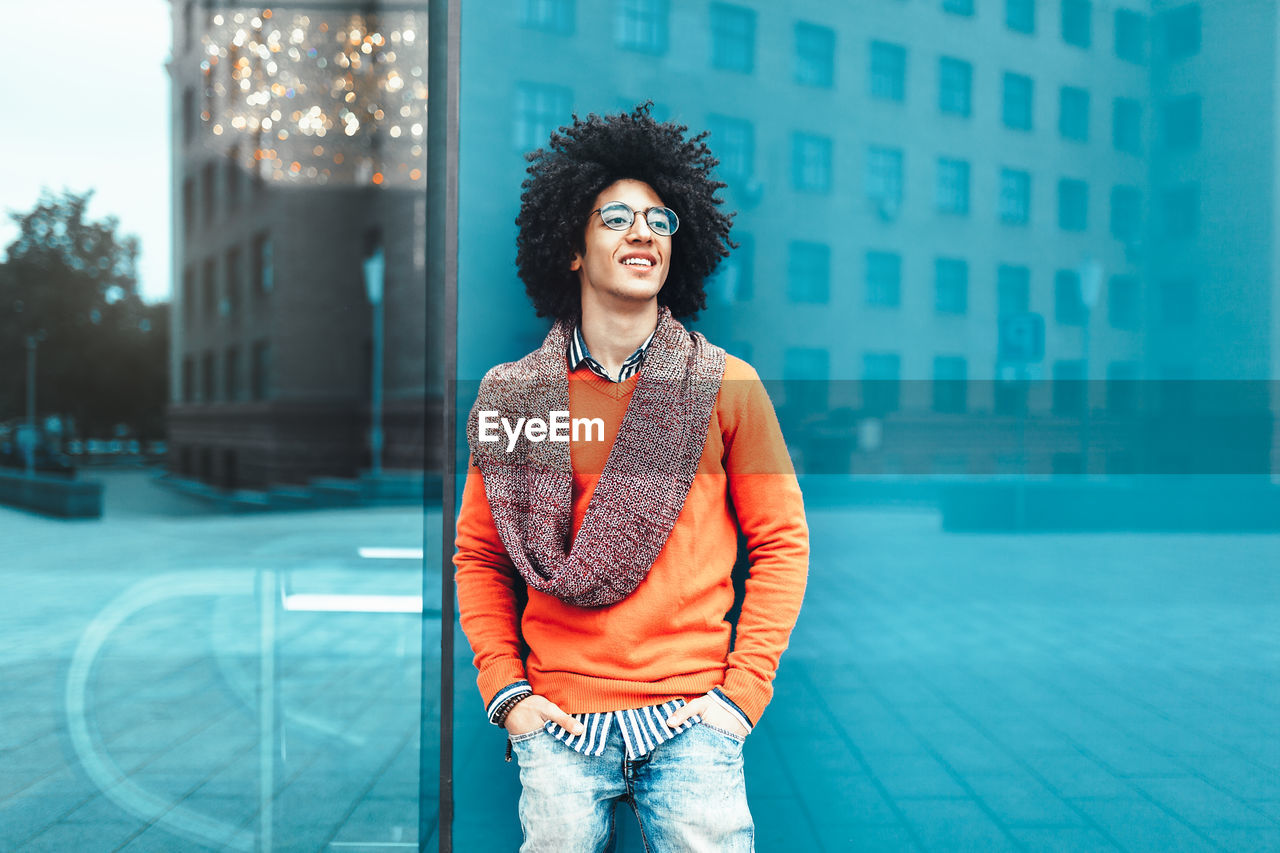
(583, 159)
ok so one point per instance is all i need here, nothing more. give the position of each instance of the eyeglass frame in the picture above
(675, 218)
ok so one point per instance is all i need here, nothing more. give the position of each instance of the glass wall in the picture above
(214, 634)
(1007, 271)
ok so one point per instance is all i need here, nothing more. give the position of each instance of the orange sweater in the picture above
(668, 639)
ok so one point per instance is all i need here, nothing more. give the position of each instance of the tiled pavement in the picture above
(133, 647)
(942, 692)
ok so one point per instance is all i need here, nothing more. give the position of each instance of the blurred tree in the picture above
(103, 358)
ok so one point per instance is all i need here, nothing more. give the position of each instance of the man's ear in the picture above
(576, 263)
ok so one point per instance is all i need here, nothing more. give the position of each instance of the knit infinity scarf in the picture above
(644, 482)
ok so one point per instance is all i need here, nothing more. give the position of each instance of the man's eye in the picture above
(615, 219)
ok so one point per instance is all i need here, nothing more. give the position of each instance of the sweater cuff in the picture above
(750, 694)
(502, 702)
(497, 675)
(717, 695)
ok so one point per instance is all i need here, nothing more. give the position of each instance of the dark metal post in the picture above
(444, 40)
(374, 282)
(30, 449)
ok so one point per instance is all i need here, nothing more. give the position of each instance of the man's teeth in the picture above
(638, 262)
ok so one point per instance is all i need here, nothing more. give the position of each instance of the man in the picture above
(594, 573)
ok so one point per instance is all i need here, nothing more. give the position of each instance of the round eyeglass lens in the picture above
(617, 215)
(663, 221)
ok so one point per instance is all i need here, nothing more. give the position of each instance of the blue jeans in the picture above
(689, 793)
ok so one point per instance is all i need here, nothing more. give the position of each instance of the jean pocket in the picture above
(521, 738)
(736, 738)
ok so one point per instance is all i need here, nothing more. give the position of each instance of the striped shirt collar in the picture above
(578, 353)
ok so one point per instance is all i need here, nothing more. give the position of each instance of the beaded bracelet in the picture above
(500, 714)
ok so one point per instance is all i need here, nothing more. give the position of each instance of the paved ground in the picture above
(159, 696)
(942, 692)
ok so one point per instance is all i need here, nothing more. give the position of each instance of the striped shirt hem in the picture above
(642, 729)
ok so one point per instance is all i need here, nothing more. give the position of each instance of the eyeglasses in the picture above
(619, 216)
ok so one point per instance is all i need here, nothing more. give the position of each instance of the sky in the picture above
(96, 116)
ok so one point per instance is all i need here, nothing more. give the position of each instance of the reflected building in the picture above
(910, 174)
(298, 154)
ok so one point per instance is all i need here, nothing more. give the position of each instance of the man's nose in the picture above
(640, 230)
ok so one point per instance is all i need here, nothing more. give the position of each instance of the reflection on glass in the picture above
(1009, 272)
(227, 653)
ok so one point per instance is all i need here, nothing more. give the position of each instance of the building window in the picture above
(188, 297)
(953, 187)
(263, 265)
(884, 179)
(188, 24)
(188, 116)
(808, 273)
(1126, 125)
(810, 163)
(188, 205)
(1068, 387)
(1073, 205)
(1123, 304)
(1016, 104)
(733, 38)
(208, 191)
(260, 385)
(809, 364)
(1073, 113)
(1077, 22)
(951, 286)
(209, 308)
(231, 181)
(815, 55)
(1068, 305)
(950, 373)
(1177, 302)
(806, 371)
(1020, 15)
(1177, 396)
(1181, 212)
(1181, 30)
(231, 375)
(1015, 197)
(1131, 35)
(958, 7)
(955, 85)
(1010, 398)
(733, 280)
(539, 110)
(888, 71)
(209, 380)
(1181, 119)
(884, 279)
(553, 16)
(881, 374)
(734, 143)
(1122, 387)
(188, 379)
(1013, 289)
(1126, 213)
(231, 294)
(641, 25)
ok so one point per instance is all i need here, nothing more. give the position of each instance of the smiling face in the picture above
(622, 270)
